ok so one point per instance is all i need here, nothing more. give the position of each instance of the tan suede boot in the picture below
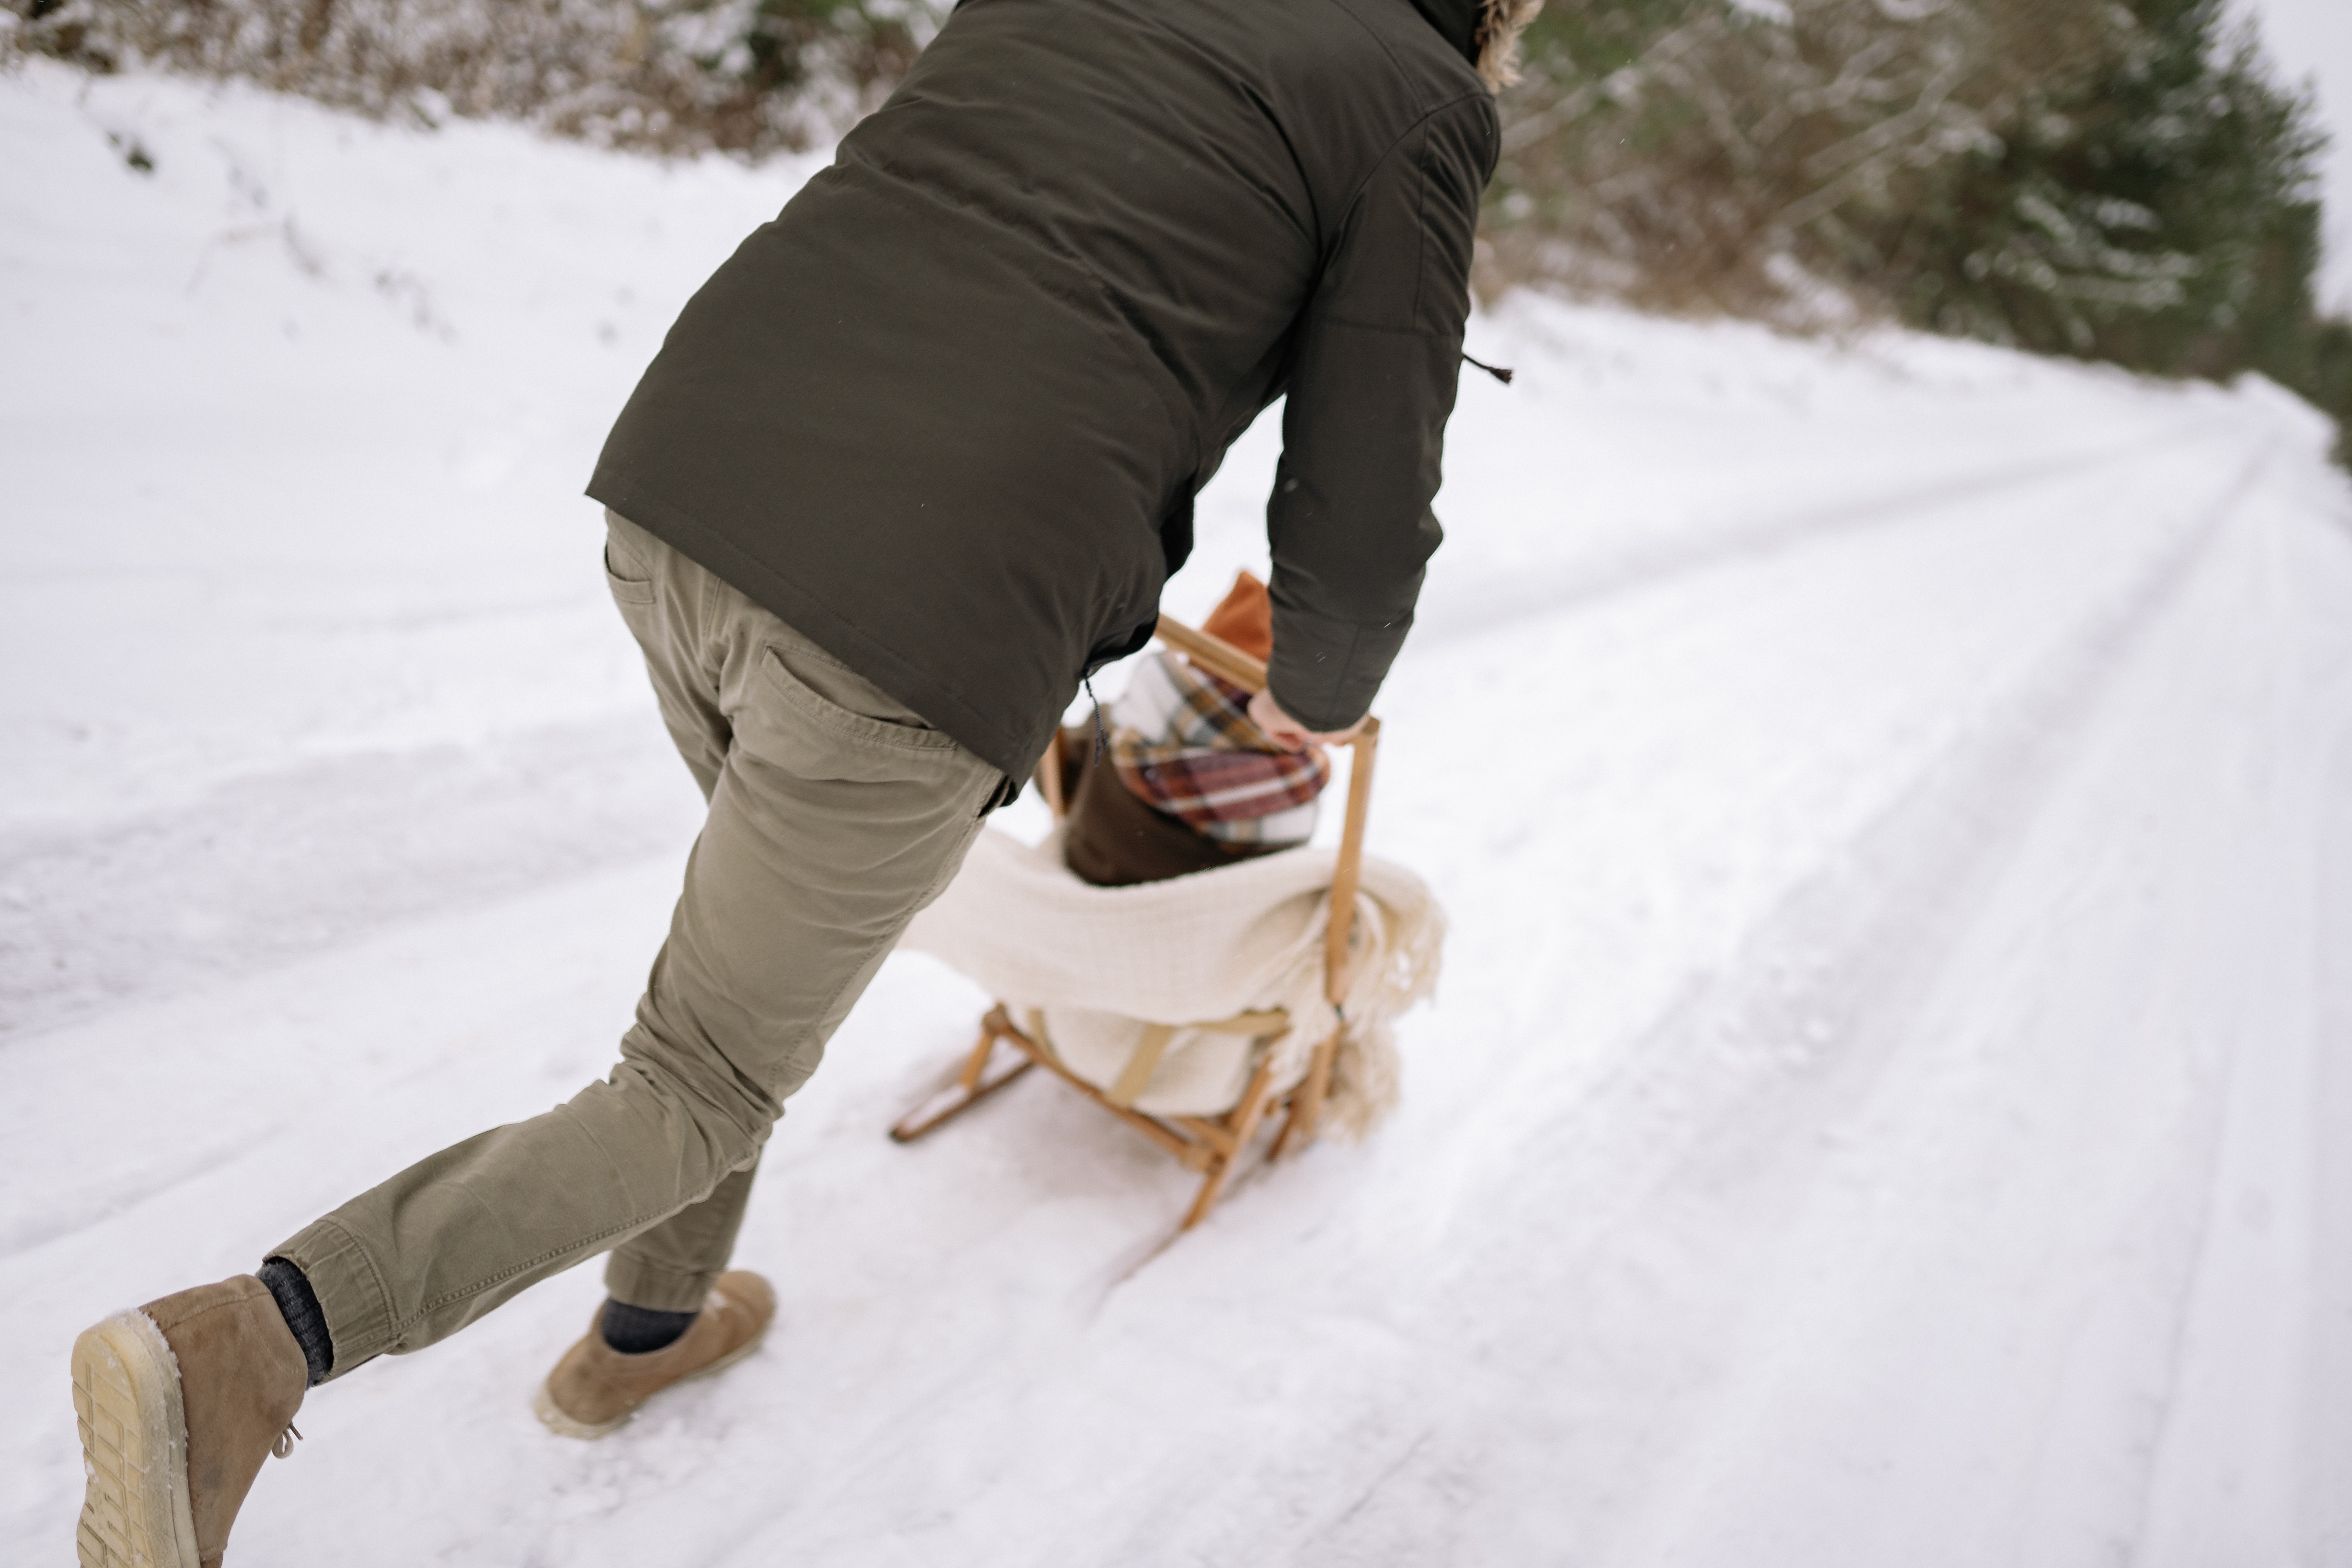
(178, 1403)
(595, 1388)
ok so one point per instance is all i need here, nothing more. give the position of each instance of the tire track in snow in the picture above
(271, 868)
(2242, 1472)
(1697, 1144)
(1474, 605)
(1939, 843)
(131, 1179)
(2329, 1422)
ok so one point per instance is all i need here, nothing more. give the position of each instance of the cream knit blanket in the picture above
(1102, 965)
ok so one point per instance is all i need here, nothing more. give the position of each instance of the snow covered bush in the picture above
(2122, 182)
(2158, 209)
(2108, 179)
(672, 75)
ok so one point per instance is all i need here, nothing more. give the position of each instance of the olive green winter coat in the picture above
(947, 414)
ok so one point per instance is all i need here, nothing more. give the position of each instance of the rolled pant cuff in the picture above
(350, 1289)
(637, 1283)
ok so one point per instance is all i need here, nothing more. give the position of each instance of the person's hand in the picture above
(1290, 734)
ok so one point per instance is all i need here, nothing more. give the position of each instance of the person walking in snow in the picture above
(915, 461)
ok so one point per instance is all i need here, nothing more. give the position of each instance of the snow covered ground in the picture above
(1887, 1104)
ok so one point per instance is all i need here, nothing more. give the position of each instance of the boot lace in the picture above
(285, 1441)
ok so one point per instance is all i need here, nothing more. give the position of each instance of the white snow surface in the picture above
(1887, 1103)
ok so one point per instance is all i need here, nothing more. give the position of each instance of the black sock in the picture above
(634, 1330)
(299, 1305)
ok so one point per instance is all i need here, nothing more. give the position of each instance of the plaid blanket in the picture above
(1181, 739)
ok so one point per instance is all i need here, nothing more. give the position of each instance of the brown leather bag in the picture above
(1116, 839)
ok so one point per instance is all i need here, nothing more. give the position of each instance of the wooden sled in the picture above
(1211, 1145)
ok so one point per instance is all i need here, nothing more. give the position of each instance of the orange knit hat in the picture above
(1245, 617)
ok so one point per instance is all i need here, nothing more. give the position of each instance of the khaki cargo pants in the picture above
(835, 815)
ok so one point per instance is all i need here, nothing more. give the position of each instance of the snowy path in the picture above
(1885, 1104)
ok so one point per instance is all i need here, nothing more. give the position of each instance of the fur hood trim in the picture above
(1500, 23)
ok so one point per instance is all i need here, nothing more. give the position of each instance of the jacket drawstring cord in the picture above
(1500, 373)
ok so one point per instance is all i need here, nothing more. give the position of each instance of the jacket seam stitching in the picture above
(1420, 228)
(979, 720)
(1340, 320)
(1348, 207)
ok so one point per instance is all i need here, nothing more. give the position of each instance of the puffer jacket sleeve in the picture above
(1369, 391)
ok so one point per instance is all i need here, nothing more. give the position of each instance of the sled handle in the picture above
(1214, 654)
(1348, 873)
(1222, 657)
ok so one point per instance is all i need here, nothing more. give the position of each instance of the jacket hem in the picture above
(866, 655)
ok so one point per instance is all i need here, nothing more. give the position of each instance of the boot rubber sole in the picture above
(134, 1448)
(552, 1417)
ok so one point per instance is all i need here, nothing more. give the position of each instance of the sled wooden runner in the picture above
(1211, 1145)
